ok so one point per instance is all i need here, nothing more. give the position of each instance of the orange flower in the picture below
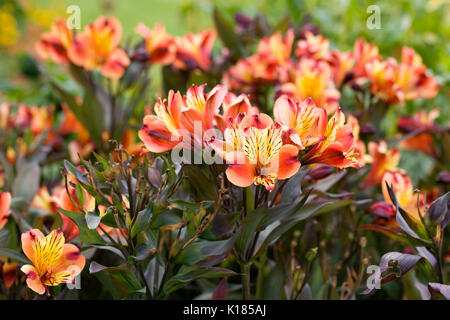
(158, 44)
(54, 261)
(403, 189)
(9, 271)
(382, 76)
(275, 50)
(255, 154)
(43, 200)
(314, 47)
(412, 77)
(233, 106)
(382, 160)
(5, 108)
(423, 124)
(341, 65)
(360, 147)
(337, 147)
(313, 79)
(363, 53)
(62, 200)
(194, 50)
(5, 203)
(96, 48)
(56, 43)
(303, 123)
(180, 116)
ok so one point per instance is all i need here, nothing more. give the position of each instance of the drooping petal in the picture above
(288, 163)
(33, 279)
(241, 175)
(155, 135)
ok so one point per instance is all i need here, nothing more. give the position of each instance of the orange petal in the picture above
(241, 175)
(285, 111)
(287, 161)
(71, 260)
(213, 101)
(155, 135)
(33, 280)
(27, 239)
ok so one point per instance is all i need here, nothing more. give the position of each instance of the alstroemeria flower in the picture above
(179, 116)
(275, 49)
(403, 189)
(43, 200)
(303, 122)
(194, 50)
(314, 47)
(96, 48)
(360, 147)
(159, 45)
(423, 124)
(313, 79)
(9, 271)
(382, 75)
(62, 200)
(53, 261)
(337, 147)
(255, 154)
(412, 77)
(5, 203)
(341, 65)
(382, 160)
(232, 106)
(56, 43)
(363, 53)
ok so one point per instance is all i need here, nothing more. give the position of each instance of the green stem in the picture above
(245, 270)
(260, 277)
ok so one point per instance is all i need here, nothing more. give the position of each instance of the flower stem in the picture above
(245, 270)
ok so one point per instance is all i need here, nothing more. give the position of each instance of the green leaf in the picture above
(14, 255)
(187, 275)
(86, 235)
(142, 221)
(225, 30)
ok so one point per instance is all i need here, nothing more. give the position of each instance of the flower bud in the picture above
(382, 209)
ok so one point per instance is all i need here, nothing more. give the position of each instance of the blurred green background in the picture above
(423, 25)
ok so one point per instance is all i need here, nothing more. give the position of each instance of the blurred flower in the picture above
(337, 147)
(10, 33)
(43, 200)
(360, 147)
(54, 261)
(276, 50)
(255, 154)
(382, 160)
(177, 118)
(423, 124)
(412, 77)
(313, 79)
(56, 44)
(382, 80)
(158, 44)
(341, 66)
(403, 189)
(5, 108)
(194, 50)
(97, 48)
(9, 272)
(363, 53)
(443, 177)
(5, 203)
(63, 200)
(314, 47)
(382, 209)
(320, 171)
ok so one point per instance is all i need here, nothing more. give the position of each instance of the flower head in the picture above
(382, 160)
(5, 203)
(255, 154)
(53, 261)
(313, 79)
(194, 50)
(158, 44)
(314, 46)
(179, 117)
(96, 48)
(56, 44)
